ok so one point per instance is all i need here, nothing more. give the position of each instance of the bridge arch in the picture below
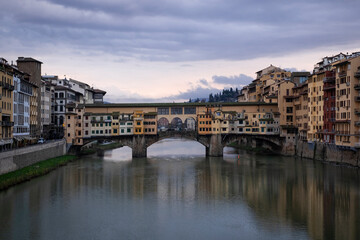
(190, 124)
(176, 124)
(267, 142)
(163, 124)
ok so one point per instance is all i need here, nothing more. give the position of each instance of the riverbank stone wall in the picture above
(22, 157)
(328, 153)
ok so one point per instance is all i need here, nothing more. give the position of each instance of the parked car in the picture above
(41, 140)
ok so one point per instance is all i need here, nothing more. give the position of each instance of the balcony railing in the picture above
(357, 98)
(342, 74)
(342, 132)
(357, 123)
(329, 88)
(7, 124)
(329, 79)
(357, 111)
(357, 86)
(357, 74)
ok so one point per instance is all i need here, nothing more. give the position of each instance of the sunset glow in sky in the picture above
(140, 51)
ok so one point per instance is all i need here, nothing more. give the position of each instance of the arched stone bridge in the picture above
(214, 143)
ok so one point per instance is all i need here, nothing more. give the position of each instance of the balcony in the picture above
(304, 92)
(357, 98)
(342, 74)
(329, 87)
(8, 86)
(329, 79)
(357, 123)
(343, 133)
(357, 111)
(357, 86)
(7, 124)
(357, 73)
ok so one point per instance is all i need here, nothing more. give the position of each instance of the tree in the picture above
(211, 98)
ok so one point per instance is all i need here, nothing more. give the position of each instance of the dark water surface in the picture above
(178, 193)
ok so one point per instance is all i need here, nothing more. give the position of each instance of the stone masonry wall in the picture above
(22, 157)
(328, 153)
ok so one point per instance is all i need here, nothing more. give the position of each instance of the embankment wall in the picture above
(328, 153)
(22, 157)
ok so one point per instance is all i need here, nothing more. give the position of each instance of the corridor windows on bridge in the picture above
(163, 111)
(190, 110)
(176, 110)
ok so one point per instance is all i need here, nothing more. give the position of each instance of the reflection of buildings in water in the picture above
(177, 182)
(323, 199)
(300, 192)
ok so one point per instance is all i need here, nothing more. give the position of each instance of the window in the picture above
(176, 110)
(190, 110)
(163, 111)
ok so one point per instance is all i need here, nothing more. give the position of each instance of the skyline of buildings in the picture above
(317, 106)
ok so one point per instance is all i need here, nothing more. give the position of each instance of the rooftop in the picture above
(199, 104)
(27, 59)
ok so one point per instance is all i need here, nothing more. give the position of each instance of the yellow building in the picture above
(6, 110)
(347, 124)
(138, 122)
(301, 109)
(204, 122)
(115, 124)
(286, 109)
(74, 123)
(150, 123)
(34, 111)
(316, 106)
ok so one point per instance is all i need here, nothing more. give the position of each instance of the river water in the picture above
(178, 193)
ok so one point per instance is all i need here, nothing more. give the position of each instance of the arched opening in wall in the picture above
(190, 124)
(176, 148)
(163, 124)
(176, 124)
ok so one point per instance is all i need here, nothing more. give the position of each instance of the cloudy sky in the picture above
(167, 50)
